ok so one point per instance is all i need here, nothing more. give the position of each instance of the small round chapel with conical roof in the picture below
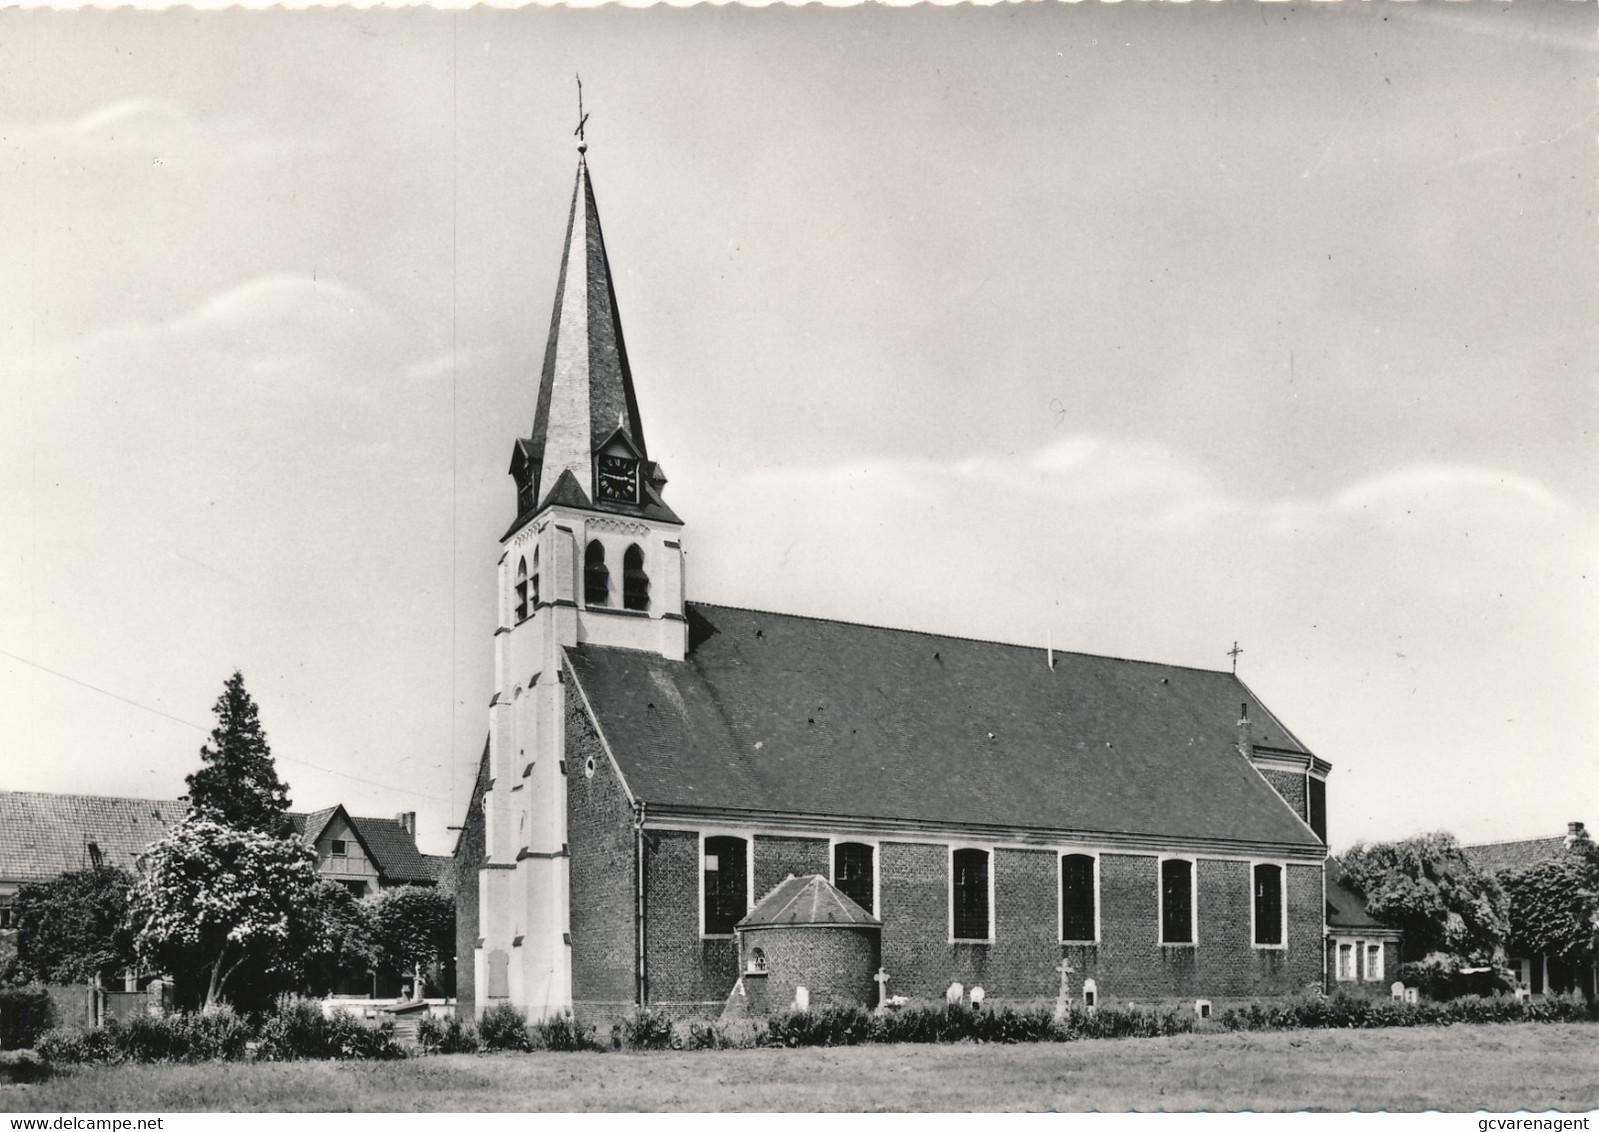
(805, 933)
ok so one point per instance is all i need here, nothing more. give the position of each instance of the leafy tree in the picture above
(413, 927)
(75, 927)
(1425, 886)
(1554, 904)
(239, 784)
(213, 899)
(342, 945)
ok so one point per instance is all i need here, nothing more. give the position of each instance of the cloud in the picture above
(1433, 485)
(155, 129)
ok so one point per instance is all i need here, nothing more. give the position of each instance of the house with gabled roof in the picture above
(1534, 973)
(1363, 953)
(1009, 816)
(44, 835)
(367, 854)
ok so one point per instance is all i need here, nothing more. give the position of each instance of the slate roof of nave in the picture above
(783, 714)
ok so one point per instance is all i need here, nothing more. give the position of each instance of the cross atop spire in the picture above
(582, 118)
(1233, 652)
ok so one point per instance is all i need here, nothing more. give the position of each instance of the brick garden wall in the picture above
(599, 830)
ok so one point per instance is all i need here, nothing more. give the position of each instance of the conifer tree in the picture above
(239, 786)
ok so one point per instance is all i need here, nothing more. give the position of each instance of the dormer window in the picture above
(616, 479)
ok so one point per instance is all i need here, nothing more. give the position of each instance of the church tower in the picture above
(593, 556)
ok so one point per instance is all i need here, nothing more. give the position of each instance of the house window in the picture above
(1316, 803)
(339, 848)
(1536, 964)
(357, 888)
(596, 578)
(8, 917)
(1268, 905)
(1077, 897)
(969, 894)
(521, 588)
(635, 583)
(1374, 962)
(726, 883)
(1176, 901)
(853, 872)
(1345, 970)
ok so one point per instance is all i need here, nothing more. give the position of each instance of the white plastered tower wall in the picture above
(524, 952)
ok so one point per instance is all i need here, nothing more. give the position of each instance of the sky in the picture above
(1137, 329)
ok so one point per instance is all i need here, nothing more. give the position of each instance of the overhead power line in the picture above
(201, 728)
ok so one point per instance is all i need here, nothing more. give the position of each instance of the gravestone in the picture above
(1063, 999)
(499, 974)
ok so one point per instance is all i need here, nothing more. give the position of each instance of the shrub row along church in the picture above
(974, 812)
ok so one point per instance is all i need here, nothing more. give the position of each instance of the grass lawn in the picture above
(1500, 1068)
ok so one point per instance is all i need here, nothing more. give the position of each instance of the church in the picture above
(667, 783)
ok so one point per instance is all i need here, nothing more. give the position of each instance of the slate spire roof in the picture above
(586, 398)
(586, 386)
(810, 901)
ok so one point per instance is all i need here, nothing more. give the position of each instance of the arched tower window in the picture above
(533, 585)
(521, 588)
(635, 582)
(596, 578)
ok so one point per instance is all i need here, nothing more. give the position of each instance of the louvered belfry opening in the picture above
(635, 582)
(521, 589)
(596, 577)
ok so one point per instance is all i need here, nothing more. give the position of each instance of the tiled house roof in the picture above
(45, 835)
(780, 715)
(1346, 908)
(809, 901)
(391, 847)
(1507, 856)
(394, 851)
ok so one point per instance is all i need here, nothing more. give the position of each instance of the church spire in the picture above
(586, 387)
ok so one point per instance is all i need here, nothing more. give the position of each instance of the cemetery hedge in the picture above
(297, 1029)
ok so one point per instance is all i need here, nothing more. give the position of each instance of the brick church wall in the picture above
(687, 975)
(470, 849)
(1291, 785)
(778, 858)
(691, 976)
(599, 830)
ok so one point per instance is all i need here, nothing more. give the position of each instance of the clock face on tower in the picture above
(617, 481)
